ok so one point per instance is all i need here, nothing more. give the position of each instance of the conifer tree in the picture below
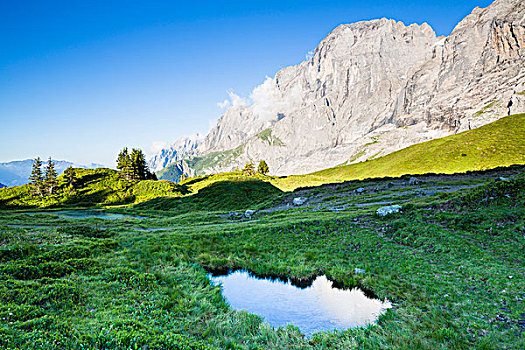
(150, 175)
(50, 180)
(263, 167)
(133, 165)
(138, 165)
(122, 158)
(127, 168)
(71, 179)
(249, 169)
(124, 164)
(36, 178)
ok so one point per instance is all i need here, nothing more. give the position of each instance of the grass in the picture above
(485, 109)
(452, 265)
(104, 187)
(451, 262)
(501, 143)
(235, 194)
(93, 187)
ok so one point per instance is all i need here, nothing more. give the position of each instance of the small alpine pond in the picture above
(316, 308)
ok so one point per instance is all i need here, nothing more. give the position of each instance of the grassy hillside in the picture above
(103, 187)
(224, 192)
(451, 264)
(93, 187)
(501, 143)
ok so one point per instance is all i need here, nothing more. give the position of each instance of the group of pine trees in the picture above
(133, 165)
(249, 168)
(43, 182)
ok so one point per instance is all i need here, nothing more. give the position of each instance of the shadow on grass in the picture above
(218, 196)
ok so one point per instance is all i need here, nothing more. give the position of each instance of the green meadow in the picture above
(451, 262)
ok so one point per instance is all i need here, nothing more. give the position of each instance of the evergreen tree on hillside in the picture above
(150, 175)
(138, 164)
(50, 180)
(36, 178)
(122, 159)
(263, 167)
(124, 164)
(249, 169)
(71, 179)
(127, 168)
(133, 165)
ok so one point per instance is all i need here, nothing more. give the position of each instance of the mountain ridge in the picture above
(496, 145)
(374, 87)
(16, 173)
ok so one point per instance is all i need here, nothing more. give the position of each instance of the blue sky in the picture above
(79, 80)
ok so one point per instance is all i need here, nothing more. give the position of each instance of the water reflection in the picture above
(320, 307)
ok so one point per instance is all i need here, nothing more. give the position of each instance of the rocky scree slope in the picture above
(372, 88)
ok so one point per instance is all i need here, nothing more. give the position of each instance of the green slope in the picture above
(104, 187)
(224, 192)
(498, 144)
(501, 143)
(93, 187)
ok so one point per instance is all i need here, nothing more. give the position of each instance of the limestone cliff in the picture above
(374, 87)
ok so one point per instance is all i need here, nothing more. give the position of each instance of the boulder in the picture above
(299, 200)
(248, 213)
(360, 190)
(391, 209)
(359, 271)
(413, 181)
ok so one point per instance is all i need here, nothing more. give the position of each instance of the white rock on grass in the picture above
(391, 209)
(248, 213)
(414, 181)
(299, 200)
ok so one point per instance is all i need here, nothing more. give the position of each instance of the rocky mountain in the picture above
(372, 88)
(183, 148)
(16, 173)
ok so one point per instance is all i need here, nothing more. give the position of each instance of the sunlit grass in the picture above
(97, 283)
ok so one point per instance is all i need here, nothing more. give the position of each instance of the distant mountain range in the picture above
(370, 89)
(16, 173)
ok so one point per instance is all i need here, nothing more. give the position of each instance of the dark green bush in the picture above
(16, 251)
